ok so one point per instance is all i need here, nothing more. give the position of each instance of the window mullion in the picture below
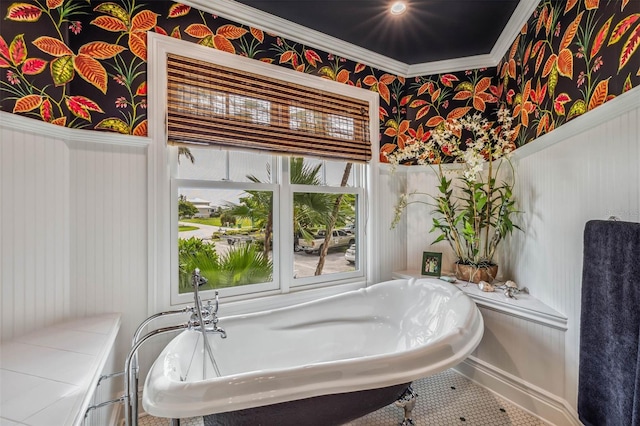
(285, 219)
(227, 169)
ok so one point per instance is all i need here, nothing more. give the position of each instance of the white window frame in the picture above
(160, 194)
(333, 278)
(268, 287)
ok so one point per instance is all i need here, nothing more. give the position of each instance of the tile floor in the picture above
(444, 399)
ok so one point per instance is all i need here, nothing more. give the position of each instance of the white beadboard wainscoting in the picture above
(593, 174)
(393, 242)
(586, 169)
(108, 217)
(34, 225)
(73, 226)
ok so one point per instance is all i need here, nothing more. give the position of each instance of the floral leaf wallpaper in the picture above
(571, 57)
(83, 64)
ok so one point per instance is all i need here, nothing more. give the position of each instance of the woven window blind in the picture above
(209, 104)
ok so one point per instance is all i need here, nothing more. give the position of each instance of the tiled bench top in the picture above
(48, 377)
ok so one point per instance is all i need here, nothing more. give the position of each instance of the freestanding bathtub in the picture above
(386, 335)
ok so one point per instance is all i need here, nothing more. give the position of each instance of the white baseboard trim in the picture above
(540, 403)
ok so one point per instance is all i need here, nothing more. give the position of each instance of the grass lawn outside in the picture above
(211, 221)
(183, 228)
(215, 221)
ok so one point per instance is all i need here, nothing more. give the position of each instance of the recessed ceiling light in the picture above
(398, 8)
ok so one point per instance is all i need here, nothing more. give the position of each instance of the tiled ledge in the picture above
(48, 377)
(525, 306)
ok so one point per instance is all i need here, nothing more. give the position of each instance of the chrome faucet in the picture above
(204, 317)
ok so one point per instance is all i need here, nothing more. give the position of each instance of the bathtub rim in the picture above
(461, 342)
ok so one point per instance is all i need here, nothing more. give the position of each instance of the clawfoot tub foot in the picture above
(407, 401)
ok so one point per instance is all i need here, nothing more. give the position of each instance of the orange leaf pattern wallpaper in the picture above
(83, 64)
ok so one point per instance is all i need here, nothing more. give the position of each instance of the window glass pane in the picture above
(311, 171)
(228, 234)
(221, 164)
(336, 170)
(340, 126)
(302, 119)
(201, 163)
(244, 166)
(313, 214)
(251, 109)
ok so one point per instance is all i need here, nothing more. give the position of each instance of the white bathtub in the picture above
(387, 334)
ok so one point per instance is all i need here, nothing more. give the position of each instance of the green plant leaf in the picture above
(62, 70)
(442, 237)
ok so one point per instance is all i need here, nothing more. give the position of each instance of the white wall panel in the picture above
(109, 235)
(591, 175)
(418, 216)
(529, 351)
(74, 234)
(393, 242)
(34, 225)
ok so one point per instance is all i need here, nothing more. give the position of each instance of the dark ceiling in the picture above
(430, 30)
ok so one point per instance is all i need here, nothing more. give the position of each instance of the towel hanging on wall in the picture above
(609, 372)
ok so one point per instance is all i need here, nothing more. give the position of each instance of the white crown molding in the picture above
(68, 135)
(451, 65)
(520, 16)
(247, 15)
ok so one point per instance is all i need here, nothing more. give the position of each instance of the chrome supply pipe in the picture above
(130, 409)
(146, 322)
(102, 404)
(105, 403)
(198, 320)
(108, 376)
(135, 376)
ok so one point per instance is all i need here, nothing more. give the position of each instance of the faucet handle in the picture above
(215, 311)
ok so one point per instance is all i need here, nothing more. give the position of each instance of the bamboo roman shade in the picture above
(209, 104)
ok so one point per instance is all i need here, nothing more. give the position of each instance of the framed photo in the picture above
(431, 263)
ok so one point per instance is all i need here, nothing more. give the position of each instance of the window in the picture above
(255, 223)
(259, 221)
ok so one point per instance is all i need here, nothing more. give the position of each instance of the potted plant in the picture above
(476, 213)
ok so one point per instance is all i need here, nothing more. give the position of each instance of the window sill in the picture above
(525, 306)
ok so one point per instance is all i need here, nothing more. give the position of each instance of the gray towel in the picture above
(609, 374)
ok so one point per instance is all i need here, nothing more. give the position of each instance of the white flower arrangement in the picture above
(477, 220)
